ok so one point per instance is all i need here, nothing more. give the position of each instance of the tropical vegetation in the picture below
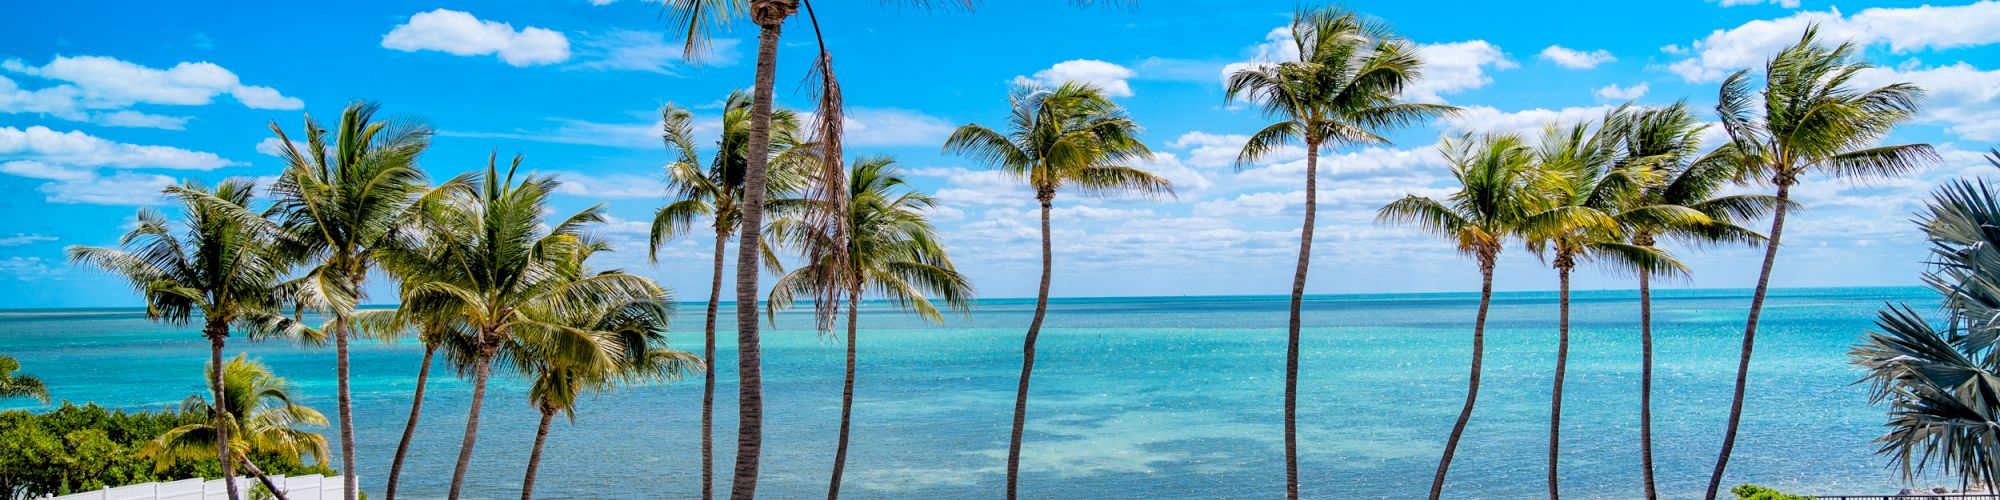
(261, 420)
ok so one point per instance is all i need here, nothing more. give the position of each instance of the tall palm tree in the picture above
(635, 330)
(260, 418)
(512, 277)
(1667, 141)
(1345, 87)
(220, 267)
(22, 385)
(1811, 121)
(336, 204)
(1072, 137)
(1585, 212)
(1493, 200)
(891, 251)
(1943, 387)
(716, 191)
(408, 258)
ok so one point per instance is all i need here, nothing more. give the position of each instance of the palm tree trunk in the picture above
(1292, 328)
(1487, 260)
(480, 369)
(846, 396)
(770, 17)
(1646, 382)
(708, 375)
(1563, 266)
(1028, 353)
(279, 494)
(535, 455)
(410, 428)
(1750, 338)
(218, 332)
(346, 402)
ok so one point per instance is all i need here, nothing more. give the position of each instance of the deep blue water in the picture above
(1133, 398)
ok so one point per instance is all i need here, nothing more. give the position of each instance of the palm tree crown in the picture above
(14, 385)
(262, 419)
(892, 249)
(1071, 136)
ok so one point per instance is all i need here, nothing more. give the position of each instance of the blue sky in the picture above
(100, 104)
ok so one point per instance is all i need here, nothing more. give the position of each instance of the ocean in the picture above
(1158, 397)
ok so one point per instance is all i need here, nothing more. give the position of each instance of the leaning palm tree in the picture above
(635, 330)
(408, 257)
(1667, 141)
(1943, 386)
(337, 204)
(22, 385)
(715, 192)
(1345, 88)
(1811, 121)
(1070, 137)
(512, 277)
(1493, 200)
(256, 417)
(1585, 213)
(891, 251)
(220, 267)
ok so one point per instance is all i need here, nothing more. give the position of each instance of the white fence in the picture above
(296, 488)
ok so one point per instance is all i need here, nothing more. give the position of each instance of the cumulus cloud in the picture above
(19, 239)
(1110, 78)
(1789, 4)
(459, 33)
(99, 89)
(75, 148)
(1903, 30)
(613, 186)
(650, 51)
(1613, 92)
(1486, 119)
(893, 127)
(1576, 59)
(119, 188)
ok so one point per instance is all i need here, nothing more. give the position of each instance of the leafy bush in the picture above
(82, 448)
(1754, 492)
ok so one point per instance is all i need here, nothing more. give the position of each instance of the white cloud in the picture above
(44, 171)
(1613, 92)
(75, 148)
(893, 127)
(1576, 59)
(273, 147)
(977, 187)
(119, 188)
(1789, 4)
(99, 89)
(19, 239)
(1486, 119)
(129, 118)
(650, 51)
(1450, 68)
(1110, 78)
(613, 186)
(460, 33)
(1963, 98)
(645, 135)
(1362, 164)
(1903, 30)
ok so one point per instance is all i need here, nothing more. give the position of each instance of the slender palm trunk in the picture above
(1750, 337)
(276, 493)
(1028, 354)
(481, 368)
(1487, 259)
(1292, 328)
(410, 428)
(1646, 383)
(1563, 266)
(846, 395)
(217, 333)
(749, 368)
(535, 454)
(708, 375)
(346, 402)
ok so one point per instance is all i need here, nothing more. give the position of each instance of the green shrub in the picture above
(82, 448)
(1754, 492)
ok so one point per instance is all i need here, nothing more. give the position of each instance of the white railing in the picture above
(296, 488)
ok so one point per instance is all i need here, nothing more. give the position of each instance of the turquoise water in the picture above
(1133, 398)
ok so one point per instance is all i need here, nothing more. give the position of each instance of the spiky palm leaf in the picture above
(261, 415)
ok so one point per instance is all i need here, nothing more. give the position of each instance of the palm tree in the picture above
(408, 257)
(1667, 141)
(14, 385)
(335, 207)
(1489, 209)
(1585, 210)
(635, 330)
(1069, 137)
(1811, 121)
(512, 277)
(891, 250)
(1941, 386)
(715, 192)
(220, 267)
(257, 417)
(1344, 89)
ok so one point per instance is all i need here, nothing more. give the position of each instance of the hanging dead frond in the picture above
(827, 214)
